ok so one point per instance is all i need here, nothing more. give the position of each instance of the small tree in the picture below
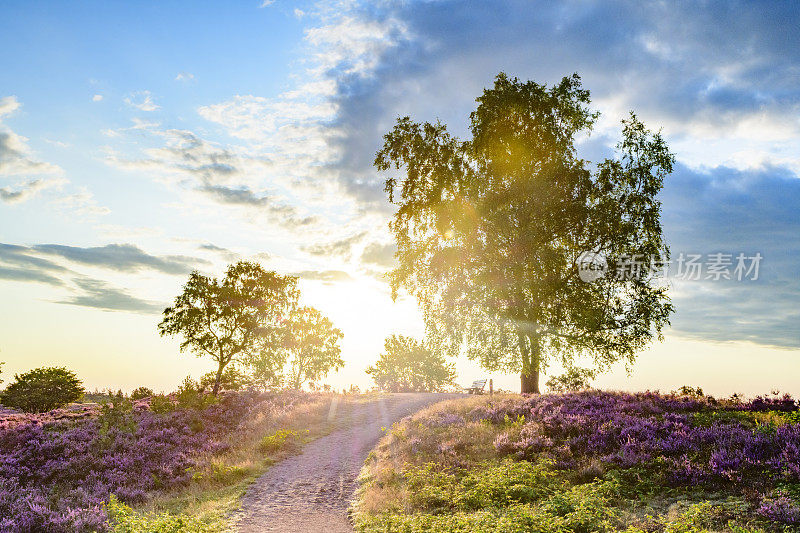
(407, 365)
(241, 315)
(313, 347)
(42, 389)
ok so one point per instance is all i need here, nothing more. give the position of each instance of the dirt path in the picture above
(311, 492)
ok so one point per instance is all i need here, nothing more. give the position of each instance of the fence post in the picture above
(491, 387)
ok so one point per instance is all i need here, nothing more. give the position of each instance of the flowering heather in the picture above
(623, 462)
(57, 472)
(687, 440)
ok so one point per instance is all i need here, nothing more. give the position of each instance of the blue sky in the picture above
(139, 141)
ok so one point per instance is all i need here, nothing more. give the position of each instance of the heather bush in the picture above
(56, 475)
(611, 461)
(42, 389)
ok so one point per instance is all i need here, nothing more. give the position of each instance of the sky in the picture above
(141, 141)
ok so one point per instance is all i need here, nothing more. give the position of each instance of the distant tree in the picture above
(141, 392)
(42, 389)
(573, 379)
(232, 379)
(313, 347)
(490, 230)
(241, 315)
(407, 365)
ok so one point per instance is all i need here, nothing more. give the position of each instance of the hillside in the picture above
(588, 461)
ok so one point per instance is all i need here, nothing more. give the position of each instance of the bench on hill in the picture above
(477, 386)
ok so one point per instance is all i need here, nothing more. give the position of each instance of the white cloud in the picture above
(97, 98)
(17, 159)
(24, 191)
(82, 203)
(8, 104)
(142, 100)
(184, 76)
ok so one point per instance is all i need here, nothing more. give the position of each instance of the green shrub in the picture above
(161, 404)
(42, 389)
(281, 439)
(232, 379)
(191, 396)
(123, 519)
(581, 509)
(141, 392)
(116, 414)
(488, 484)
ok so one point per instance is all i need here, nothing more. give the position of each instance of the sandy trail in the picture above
(311, 492)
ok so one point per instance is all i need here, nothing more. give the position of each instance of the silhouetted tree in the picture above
(141, 392)
(313, 347)
(42, 389)
(243, 314)
(407, 365)
(490, 230)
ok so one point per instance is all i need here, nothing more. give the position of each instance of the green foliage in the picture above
(221, 474)
(123, 519)
(161, 404)
(574, 379)
(694, 392)
(313, 347)
(42, 389)
(232, 379)
(283, 439)
(190, 395)
(489, 230)
(116, 414)
(141, 392)
(241, 315)
(407, 365)
(503, 496)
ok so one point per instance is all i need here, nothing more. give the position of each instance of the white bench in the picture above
(477, 386)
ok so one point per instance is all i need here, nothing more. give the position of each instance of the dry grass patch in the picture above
(220, 480)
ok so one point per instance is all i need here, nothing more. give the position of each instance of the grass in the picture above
(207, 503)
(441, 471)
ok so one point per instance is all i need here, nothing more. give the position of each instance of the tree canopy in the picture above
(490, 230)
(407, 365)
(251, 317)
(313, 347)
(244, 313)
(42, 389)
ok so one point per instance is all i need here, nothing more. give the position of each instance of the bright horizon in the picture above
(140, 142)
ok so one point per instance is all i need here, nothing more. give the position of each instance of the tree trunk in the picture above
(529, 382)
(218, 378)
(531, 349)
